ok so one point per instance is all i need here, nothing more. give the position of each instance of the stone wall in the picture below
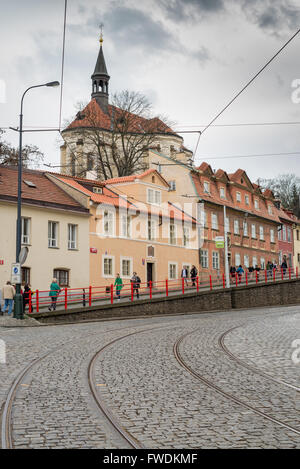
(279, 293)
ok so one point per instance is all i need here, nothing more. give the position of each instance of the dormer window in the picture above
(256, 204)
(222, 193)
(238, 196)
(97, 190)
(270, 209)
(206, 187)
(247, 199)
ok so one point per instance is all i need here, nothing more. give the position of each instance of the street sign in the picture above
(220, 242)
(23, 254)
(16, 274)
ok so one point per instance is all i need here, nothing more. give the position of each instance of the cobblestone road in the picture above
(153, 397)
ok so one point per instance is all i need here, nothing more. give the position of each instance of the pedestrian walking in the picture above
(251, 270)
(240, 272)
(8, 294)
(284, 266)
(136, 284)
(54, 292)
(119, 286)
(269, 269)
(232, 273)
(257, 269)
(194, 273)
(184, 275)
(26, 296)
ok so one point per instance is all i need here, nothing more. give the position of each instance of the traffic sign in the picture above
(220, 242)
(16, 273)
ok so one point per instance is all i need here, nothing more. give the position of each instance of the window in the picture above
(289, 235)
(52, 234)
(72, 236)
(284, 233)
(126, 226)
(256, 204)
(216, 260)
(62, 276)
(172, 185)
(279, 233)
(126, 269)
(238, 196)
(151, 230)
(270, 209)
(246, 261)
(108, 223)
(172, 233)
(108, 266)
(272, 236)
(206, 187)
(236, 227)
(227, 225)
(262, 263)
(245, 228)
(261, 233)
(214, 221)
(172, 271)
(97, 190)
(253, 231)
(204, 258)
(25, 230)
(186, 237)
(222, 193)
(254, 261)
(247, 199)
(237, 259)
(153, 197)
(25, 275)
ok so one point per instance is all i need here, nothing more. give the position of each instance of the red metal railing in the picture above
(67, 298)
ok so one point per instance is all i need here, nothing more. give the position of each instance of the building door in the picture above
(149, 272)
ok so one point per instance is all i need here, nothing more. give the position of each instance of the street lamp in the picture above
(18, 310)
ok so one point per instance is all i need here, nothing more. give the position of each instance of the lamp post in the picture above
(18, 310)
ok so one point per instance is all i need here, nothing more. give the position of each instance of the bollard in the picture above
(223, 281)
(197, 284)
(150, 286)
(182, 281)
(256, 276)
(30, 302)
(210, 282)
(236, 280)
(266, 276)
(290, 276)
(66, 298)
(246, 278)
(131, 291)
(274, 275)
(167, 288)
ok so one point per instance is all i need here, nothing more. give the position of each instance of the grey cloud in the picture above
(181, 10)
(273, 16)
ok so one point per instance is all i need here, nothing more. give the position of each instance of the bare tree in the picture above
(116, 144)
(9, 155)
(286, 187)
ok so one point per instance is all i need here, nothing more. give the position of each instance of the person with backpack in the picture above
(119, 286)
(54, 292)
(136, 284)
(240, 272)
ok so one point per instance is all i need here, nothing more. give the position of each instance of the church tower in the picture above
(100, 80)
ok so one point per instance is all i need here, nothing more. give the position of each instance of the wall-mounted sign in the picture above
(93, 250)
(220, 242)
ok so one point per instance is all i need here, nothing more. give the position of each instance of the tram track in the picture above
(244, 364)
(7, 408)
(199, 377)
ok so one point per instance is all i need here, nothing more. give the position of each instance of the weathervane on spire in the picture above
(101, 33)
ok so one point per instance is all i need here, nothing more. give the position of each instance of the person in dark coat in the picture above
(26, 296)
(194, 273)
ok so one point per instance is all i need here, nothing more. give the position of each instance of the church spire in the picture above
(100, 79)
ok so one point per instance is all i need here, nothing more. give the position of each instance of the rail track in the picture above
(247, 365)
(7, 418)
(218, 389)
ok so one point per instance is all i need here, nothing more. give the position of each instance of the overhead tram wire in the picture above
(62, 65)
(245, 87)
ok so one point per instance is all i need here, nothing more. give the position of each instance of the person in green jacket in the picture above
(54, 292)
(119, 286)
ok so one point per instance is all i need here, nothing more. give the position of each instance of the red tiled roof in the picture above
(133, 177)
(45, 192)
(93, 116)
(214, 197)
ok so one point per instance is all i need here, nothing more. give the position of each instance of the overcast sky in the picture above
(188, 57)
